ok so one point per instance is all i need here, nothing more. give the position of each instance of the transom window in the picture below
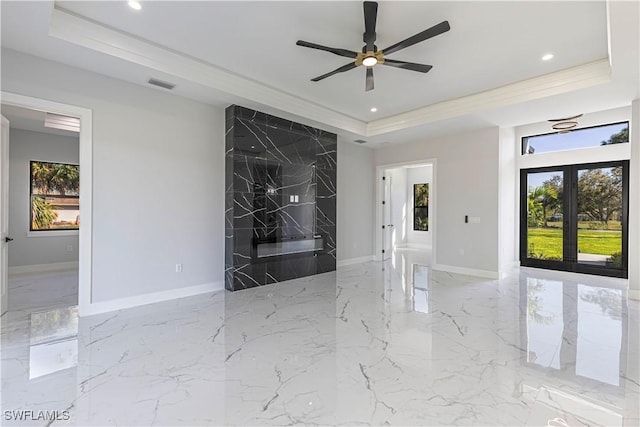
(609, 134)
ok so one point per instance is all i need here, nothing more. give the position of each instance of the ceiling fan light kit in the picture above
(370, 55)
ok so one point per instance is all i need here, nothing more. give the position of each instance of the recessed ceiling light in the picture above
(547, 57)
(374, 109)
(133, 4)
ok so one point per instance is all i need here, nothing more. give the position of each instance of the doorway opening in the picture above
(405, 218)
(46, 214)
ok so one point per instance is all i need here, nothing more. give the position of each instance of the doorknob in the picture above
(8, 239)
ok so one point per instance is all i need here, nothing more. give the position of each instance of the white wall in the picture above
(466, 181)
(355, 204)
(158, 178)
(508, 225)
(24, 146)
(418, 175)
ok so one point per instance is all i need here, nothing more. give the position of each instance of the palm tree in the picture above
(542, 197)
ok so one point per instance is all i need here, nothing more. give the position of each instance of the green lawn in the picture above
(548, 242)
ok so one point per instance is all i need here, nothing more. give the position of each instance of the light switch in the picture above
(297, 198)
(292, 198)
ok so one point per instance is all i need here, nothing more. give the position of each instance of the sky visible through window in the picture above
(581, 138)
(536, 179)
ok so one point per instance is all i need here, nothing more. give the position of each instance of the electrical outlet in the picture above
(178, 268)
(69, 248)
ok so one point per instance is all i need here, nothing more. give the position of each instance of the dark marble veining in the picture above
(281, 194)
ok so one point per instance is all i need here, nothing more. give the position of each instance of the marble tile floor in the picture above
(391, 343)
(38, 291)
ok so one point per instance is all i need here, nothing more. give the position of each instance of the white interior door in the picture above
(386, 218)
(4, 215)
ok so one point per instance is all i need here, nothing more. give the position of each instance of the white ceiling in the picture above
(493, 48)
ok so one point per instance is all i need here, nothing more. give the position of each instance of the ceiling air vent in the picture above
(360, 141)
(160, 83)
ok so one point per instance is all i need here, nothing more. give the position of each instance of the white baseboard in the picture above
(352, 261)
(43, 268)
(138, 300)
(414, 246)
(509, 268)
(634, 294)
(466, 271)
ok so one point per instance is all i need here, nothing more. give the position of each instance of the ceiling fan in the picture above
(370, 55)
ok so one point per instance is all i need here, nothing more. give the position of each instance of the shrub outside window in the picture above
(421, 207)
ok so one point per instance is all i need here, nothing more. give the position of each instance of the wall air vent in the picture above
(57, 121)
(160, 83)
(360, 141)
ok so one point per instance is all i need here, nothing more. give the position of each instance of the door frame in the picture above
(379, 186)
(570, 234)
(4, 216)
(86, 188)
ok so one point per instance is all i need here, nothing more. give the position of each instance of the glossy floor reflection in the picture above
(393, 343)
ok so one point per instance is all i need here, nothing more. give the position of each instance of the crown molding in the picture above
(93, 35)
(96, 36)
(568, 80)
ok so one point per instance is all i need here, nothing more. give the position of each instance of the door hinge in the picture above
(383, 202)
(383, 226)
(383, 251)
(384, 178)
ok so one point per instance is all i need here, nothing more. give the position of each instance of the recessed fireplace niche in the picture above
(280, 204)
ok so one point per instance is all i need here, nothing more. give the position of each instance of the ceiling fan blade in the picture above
(436, 30)
(421, 68)
(342, 69)
(334, 50)
(370, 16)
(369, 82)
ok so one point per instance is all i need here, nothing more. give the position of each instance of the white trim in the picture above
(413, 246)
(563, 81)
(634, 294)
(85, 240)
(509, 268)
(43, 268)
(53, 233)
(92, 35)
(351, 261)
(139, 300)
(466, 271)
(380, 193)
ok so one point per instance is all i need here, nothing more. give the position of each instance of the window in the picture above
(616, 133)
(421, 207)
(574, 218)
(54, 196)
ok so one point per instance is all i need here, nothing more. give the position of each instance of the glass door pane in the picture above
(545, 215)
(599, 211)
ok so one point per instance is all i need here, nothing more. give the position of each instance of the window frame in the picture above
(49, 231)
(570, 233)
(524, 139)
(420, 207)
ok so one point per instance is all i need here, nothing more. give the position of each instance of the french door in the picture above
(574, 218)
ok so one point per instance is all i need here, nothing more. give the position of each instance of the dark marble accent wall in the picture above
(280, 197)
